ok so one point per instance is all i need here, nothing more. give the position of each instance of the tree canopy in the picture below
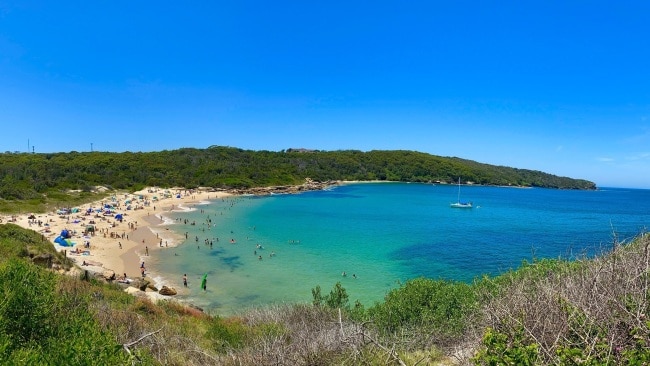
(25, 175)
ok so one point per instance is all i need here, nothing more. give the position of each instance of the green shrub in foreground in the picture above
(438, 305)
(42, 326)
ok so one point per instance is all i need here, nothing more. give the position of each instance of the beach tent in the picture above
(75, 210)
(178, 196)
(90, 229)
(118, 217)
(64, 242)
(65, 234)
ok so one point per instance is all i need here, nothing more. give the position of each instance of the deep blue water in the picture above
(385, 234)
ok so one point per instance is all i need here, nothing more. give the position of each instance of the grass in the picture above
(49, 202)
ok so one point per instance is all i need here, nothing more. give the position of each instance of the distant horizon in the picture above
(558, 87)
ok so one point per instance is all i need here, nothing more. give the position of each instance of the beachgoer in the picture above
(146, 250)
(185, 280)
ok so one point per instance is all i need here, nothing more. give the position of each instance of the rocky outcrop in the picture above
(43, 260)
(167, 291)
(309, 185)
(108, 275)
(140, 283)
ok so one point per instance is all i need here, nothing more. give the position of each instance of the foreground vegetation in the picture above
(585, 312)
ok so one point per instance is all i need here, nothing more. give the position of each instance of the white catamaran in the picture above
(460, 204)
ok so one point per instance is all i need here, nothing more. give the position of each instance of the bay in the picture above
(275, 249)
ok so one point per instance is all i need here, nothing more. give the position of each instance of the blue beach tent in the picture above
(64, 242)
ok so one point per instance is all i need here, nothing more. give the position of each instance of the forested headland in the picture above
(25, 176)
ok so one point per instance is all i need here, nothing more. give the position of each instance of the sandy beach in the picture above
(104, 241)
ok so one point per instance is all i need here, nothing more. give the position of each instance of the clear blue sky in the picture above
(557, 86)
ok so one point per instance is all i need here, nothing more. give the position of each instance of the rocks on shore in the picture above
(309, 185)
(167, 291)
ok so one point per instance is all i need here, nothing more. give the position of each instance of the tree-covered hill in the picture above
(24, 176)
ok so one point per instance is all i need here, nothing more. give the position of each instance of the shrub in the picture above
(438, 305)
(26, 306)
(227, 333)
(500, 349)
(337, 298)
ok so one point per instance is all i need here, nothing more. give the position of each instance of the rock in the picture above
(140, 284)
(167, 291)
(43, 260)
(134, 291)
(108, 275)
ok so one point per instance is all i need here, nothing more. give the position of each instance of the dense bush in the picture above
(42, 326)
(587, 312)
(26, 176)
(440, 307)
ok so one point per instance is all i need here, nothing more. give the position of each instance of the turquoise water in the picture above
(385, 234)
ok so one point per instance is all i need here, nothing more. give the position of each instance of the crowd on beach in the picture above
(116, 233)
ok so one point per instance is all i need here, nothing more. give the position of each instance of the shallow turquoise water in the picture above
(385, 234)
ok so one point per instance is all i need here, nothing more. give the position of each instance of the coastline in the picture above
(120, 246)
(116, 245)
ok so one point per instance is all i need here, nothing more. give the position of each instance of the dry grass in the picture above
(584, 304)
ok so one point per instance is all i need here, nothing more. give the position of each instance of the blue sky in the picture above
(557, 86)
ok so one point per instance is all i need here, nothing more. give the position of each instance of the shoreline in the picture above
(114, 244)
(120, 246)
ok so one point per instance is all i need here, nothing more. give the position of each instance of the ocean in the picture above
(276, 249)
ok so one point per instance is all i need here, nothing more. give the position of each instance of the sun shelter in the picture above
(64, 242)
